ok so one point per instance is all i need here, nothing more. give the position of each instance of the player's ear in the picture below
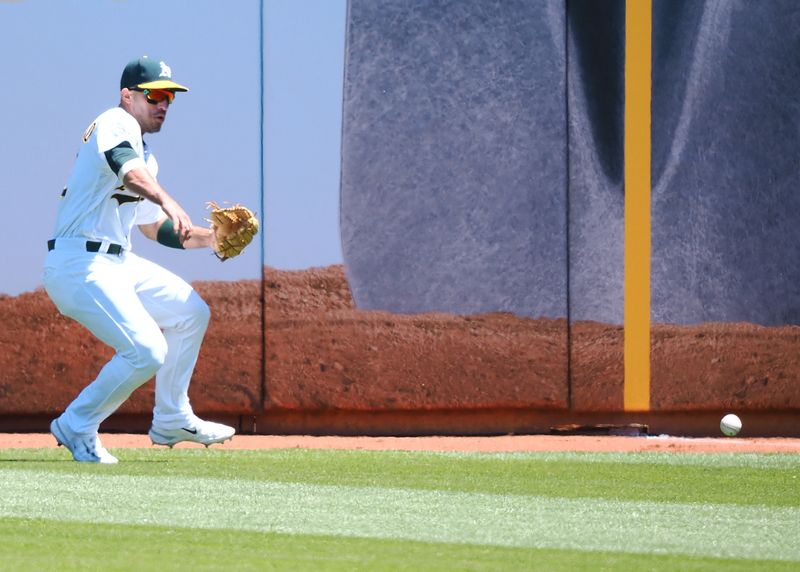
(125, 96)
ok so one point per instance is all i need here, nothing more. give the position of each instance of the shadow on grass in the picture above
(4, 460)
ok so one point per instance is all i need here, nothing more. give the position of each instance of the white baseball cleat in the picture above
(198, 431)
(84, 448)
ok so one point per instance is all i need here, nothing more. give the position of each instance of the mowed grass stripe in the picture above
(764, 480)
(713, 530)
(66, 546)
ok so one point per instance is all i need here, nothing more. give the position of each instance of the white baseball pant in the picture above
(152, 318)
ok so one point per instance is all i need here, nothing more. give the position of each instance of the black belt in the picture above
(91, 246)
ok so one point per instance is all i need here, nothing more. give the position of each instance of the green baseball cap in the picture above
(149, 73)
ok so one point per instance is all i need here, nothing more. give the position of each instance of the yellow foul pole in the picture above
(638, 33)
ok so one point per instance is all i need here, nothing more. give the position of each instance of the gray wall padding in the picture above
(726, 161)
(462, 161)
(454, 156)
(596, 150)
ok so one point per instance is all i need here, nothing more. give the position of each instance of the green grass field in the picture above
(297, 509)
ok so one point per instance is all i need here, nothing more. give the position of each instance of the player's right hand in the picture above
(180, 220)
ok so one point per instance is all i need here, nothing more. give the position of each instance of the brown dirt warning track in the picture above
(499, 444)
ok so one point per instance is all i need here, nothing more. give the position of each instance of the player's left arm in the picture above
(163, 232)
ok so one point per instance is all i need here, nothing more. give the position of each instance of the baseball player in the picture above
(152, 318)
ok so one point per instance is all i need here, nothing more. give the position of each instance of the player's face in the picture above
(150, 109)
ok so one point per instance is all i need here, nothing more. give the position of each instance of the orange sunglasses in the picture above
(154, 96)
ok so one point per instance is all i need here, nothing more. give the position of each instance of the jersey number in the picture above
(89, 131)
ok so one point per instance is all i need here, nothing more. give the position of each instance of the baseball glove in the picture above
(234, 228)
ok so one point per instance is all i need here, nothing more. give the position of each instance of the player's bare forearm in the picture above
(141, 182)
(199, 237)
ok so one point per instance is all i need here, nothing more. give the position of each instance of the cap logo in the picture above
(165, 71)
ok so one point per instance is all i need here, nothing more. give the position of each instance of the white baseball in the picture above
(730, 425)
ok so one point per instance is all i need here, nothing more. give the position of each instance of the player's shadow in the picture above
(68, 460)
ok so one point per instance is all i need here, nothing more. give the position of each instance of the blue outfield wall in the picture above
(483, 158)
(454, 157)
(725, 169)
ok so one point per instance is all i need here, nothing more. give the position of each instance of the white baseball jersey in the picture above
(95, 203)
